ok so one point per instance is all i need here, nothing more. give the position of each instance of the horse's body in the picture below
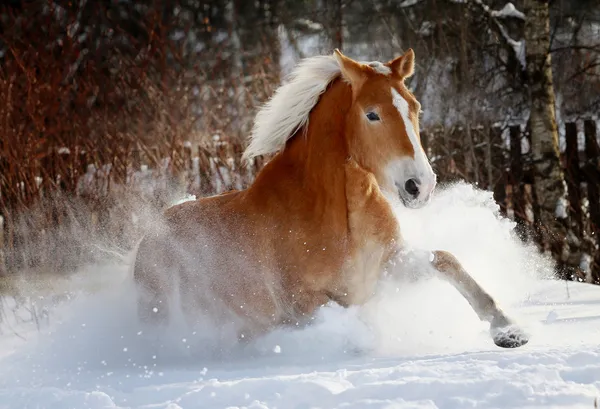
(316, 224)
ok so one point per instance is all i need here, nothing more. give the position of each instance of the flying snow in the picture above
(416, 344)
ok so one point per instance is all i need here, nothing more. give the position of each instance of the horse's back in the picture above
(180, 228)
(205, 252)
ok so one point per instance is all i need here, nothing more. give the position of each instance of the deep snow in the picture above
(417, 344)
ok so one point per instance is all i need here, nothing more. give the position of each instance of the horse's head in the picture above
(382, 127)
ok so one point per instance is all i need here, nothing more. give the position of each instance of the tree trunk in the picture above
(548, 176)
(518, 185)
(592, 175)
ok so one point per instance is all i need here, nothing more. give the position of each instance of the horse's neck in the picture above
(312, 165)
(323, 151)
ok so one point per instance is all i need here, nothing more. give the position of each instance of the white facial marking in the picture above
(402, 107)
(418, 168)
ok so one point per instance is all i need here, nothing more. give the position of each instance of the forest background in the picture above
(112, 109)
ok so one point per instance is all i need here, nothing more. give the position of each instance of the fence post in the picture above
(62, 163)
(591, 172)
(84, 160)
(496, 156)
(516, 171)
(573, 176)
(459, 165)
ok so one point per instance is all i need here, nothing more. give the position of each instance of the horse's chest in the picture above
(373, 234)
(363, 271)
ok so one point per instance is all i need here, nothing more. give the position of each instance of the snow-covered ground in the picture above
(417, 344)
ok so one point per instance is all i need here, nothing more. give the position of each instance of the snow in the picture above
(408, 3)
(585, 265)
(562, 205)
(509, 10)
(518, 47)
(309, 24)
(417, 344)
(426, 28)
(186, 198)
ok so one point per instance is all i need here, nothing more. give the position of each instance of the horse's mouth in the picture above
(413, 203)
(410, 203)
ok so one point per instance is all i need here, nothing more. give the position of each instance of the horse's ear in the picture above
(403, 66)
(351, 70)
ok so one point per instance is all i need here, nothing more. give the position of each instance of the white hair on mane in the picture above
(288, 109)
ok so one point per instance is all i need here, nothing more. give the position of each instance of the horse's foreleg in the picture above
(503, 331)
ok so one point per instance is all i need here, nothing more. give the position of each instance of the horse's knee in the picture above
(443, 260)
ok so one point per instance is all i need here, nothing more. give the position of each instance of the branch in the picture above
(517, 47)
(595, 48)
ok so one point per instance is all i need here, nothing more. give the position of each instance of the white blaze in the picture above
(419, 167)
(402, 107)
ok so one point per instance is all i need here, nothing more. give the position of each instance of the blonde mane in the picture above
(288, 109)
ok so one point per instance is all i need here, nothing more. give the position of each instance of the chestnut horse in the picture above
(317, 224)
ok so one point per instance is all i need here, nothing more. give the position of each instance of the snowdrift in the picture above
(417, 344)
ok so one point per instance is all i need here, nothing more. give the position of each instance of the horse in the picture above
(316, 225)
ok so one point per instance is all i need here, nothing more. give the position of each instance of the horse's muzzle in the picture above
(413, 194)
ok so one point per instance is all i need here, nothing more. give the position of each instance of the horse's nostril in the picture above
(412, 188)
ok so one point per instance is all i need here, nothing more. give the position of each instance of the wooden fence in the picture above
(499, 159)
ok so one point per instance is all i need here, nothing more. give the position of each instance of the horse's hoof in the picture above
(509, 337)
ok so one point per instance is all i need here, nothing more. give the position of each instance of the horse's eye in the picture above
(372, 116)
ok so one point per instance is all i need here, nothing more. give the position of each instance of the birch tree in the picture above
(550, 186)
